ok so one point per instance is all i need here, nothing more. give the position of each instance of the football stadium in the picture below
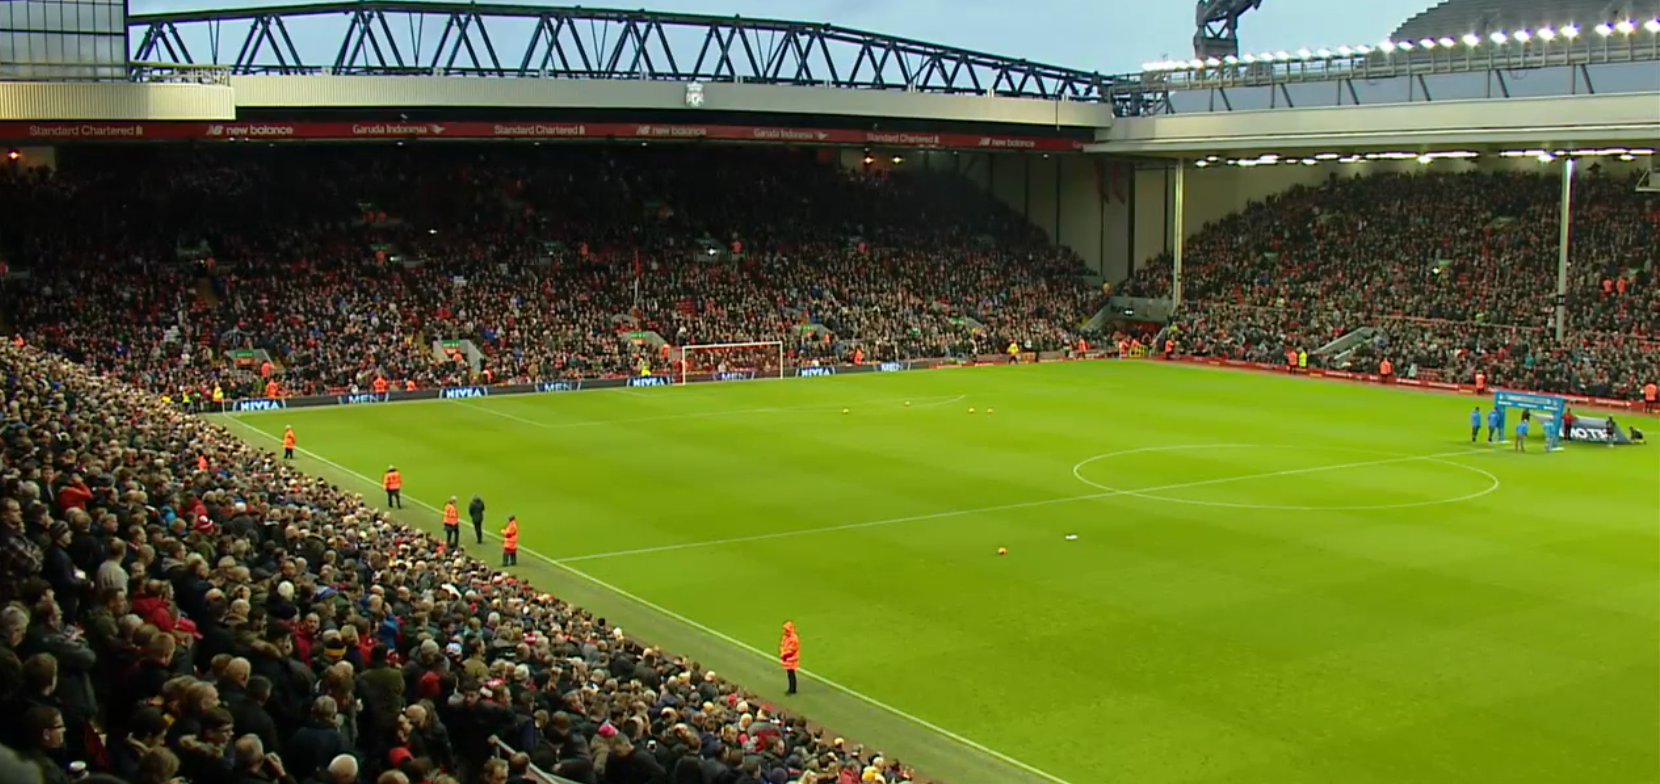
(437, 393)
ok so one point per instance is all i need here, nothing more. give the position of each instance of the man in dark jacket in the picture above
(247, 706)
(317, 743)
(382, 688)
(476, 511)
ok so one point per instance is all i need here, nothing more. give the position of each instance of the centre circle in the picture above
(1378, 458)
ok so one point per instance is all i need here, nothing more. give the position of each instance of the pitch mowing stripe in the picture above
(740, 644)
(933, 402)
(1020, 505)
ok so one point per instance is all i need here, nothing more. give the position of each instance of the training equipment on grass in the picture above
(1548, 408)
(732, 361)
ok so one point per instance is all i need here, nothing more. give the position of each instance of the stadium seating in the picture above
(1456, 271)
(165, 615)
(345, 264)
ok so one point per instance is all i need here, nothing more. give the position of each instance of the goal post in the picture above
(732, 361)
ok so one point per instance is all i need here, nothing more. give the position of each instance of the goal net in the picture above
(731, 361)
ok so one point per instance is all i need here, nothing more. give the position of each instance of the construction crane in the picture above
(1218, 23)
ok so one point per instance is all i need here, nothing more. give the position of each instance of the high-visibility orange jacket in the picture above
(393, 481)
(789, 648)
(510, 536)
(288, 439)
(452, 515)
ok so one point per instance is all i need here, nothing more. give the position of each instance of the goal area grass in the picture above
(1211, 575)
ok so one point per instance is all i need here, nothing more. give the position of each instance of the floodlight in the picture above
(1546, 157)
(1196, 63)
(1522, 36)
(1405, 46)
(1211, 62)
(1282, 55)
(1447, 42)
(1425, 159)
(1266, 57)
(1305, 54)
(1628, 157)
(1248, 58)
(1363, 50)
(1570, 31)
(1231, 60)
(1387, 47)
(1345, 51)
(1201, 164)
(1604, 30)
(1652, 25)
(1149, 67)
(1498, 37)
(1625, 27)
(1323, 52)
(1471, 39)
(1546, 34)
(1327, 156)
(1427, 43)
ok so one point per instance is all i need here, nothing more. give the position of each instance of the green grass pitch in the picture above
(1273, 579)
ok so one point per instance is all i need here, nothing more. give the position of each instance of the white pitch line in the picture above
(1003, 507)
(938, 400)
(719, 635)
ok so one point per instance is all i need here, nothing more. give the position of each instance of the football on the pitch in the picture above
(970, 409)
(1002, 551)
(988, 410)
(844, 411)
(907, 404)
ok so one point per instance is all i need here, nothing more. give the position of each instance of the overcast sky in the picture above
(1111, 36)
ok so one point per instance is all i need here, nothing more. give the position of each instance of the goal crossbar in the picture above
(773, 346)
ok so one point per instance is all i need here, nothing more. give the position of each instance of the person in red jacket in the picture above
(75, 494)
(789, 653)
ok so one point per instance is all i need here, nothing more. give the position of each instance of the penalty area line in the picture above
(719, 635)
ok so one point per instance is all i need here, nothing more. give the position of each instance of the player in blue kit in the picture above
(1495, 421)
(1475, 424)
(1521, 432)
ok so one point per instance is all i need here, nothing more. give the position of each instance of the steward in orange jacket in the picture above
(289, 441)
(510, 542)
(393, 483)
(789, 653)
(452, 524)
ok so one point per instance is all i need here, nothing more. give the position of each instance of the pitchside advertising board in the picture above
(547, 387)
(54, 132)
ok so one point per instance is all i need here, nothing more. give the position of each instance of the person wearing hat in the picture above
(789, 653)
(393, 483)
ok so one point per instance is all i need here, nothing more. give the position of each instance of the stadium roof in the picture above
(1457, 17)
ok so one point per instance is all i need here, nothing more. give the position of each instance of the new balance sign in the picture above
(258, 405)
(463, 393)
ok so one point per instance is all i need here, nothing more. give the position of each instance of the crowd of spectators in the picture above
(174, 603)
(1457, 272)
(345, 264)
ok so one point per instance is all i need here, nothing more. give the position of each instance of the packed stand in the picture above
(1456, 272)
(346, 264)
(246, 623)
